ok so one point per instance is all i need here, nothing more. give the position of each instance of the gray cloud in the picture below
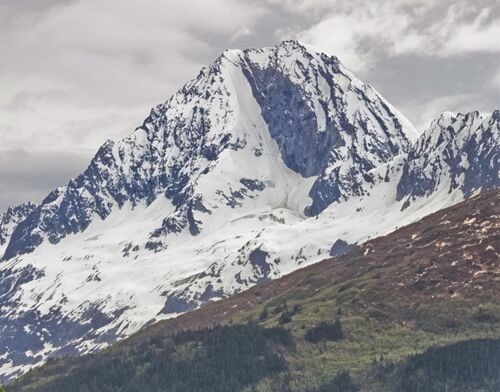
(29, 175)
(75, 73)
(424, 86)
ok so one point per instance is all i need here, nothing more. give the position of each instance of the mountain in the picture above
(416, 310)
(284, 113)
(270, 160)
(456, 152)
(11, 218)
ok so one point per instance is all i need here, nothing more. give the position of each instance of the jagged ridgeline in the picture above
(268, 161)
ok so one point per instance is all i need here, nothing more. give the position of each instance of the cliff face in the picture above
(255, 168)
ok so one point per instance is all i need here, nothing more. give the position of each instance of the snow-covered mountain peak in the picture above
(292, 50)
(326, 124)
(249, 171)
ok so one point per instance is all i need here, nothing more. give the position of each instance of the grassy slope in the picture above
(428, 284)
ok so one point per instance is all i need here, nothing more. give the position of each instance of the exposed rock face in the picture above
(326, 122)
(248, 172)
(11, 218)
(438, 277)
(340, 248)
(456, 152)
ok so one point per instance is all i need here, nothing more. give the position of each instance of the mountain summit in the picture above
(255, 168)
(284, 113)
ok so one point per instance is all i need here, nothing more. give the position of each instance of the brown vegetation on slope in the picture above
(451, 254)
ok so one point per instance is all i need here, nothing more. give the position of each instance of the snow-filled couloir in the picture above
(264, 163)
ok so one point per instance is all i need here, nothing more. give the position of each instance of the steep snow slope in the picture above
(250, 171)
(325, 122)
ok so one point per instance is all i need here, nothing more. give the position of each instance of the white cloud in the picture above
(74, 73)
(478, 36)
(105, 58)
(243, 32)
(425, 112)
(362, 31)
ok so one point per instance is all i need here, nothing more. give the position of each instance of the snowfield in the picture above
(252, 170)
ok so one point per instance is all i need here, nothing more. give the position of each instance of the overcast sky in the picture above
(74, 73)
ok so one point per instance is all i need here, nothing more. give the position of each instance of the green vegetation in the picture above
(325, 331)
(399, 315)
(342, 382)
(222, 359)
(472, 365)
(304, 354)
